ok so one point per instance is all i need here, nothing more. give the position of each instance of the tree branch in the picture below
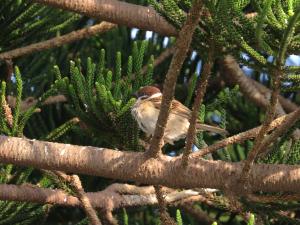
(287, 104)
(239, 138)
(30, 101)
(119, 12)
(112, 197)
(165, 218)
(197, 103)
(260, 143)
(181, 48)
(58, 41)
(231, 70)
(134, 166)
(85, 201)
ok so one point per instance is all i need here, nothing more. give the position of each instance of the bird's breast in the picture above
(146, 115)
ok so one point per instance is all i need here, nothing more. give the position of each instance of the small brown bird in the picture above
(146, 111)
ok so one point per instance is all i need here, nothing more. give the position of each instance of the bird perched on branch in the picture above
(146, 111)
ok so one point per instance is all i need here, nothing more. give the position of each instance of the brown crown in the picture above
(147, 91)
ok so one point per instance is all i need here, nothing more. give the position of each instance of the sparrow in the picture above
(146, 110)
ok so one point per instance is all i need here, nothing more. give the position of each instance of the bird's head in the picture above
(147, 92)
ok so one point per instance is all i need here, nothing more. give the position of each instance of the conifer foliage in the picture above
(81, 93)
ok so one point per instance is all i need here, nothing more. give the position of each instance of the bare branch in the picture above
(30, 101)
(165, 218)
(231, 70)
(259, 143)
(160, 59)
(239, 138)
(287, 104)
(281, 129)
(109, 198)
(181, 48)
(134, 166)
(85, 201)
(274, 198)
(197, 213)
(119, 12)
(122, 13)
(58, 41)
(197, 103)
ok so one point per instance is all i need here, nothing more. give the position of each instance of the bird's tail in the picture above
(205, 127)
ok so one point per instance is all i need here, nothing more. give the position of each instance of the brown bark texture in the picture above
(114, 11)
(113, 197)
(58, 41)
(164, 170)
(181, 48)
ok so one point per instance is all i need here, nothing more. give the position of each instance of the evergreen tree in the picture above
(76, 89)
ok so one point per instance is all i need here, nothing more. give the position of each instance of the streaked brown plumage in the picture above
(146, 111)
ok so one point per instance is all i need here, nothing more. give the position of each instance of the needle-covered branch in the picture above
(134, 166)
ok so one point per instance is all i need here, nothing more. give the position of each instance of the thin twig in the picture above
(197, 213)
(197, 103)
(30, 101)
(258, 143)
(160, 59)
(58, 41)
(239, 138)
(281, 129)
(107, 217)
(181, 48)
(86, 204)
(165, 218)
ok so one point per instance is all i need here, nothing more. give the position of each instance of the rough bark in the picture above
(112, 197)
(114, 11)
(181, 48)
(133, 166)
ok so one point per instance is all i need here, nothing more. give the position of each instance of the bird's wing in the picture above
(176, 107)
(185, 112)
(181, 110)
(214, 129)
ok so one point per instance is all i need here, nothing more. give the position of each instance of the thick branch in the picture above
(133, 166)
(114, 11)
(231, 70)
(287, 104)
(58, 41)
